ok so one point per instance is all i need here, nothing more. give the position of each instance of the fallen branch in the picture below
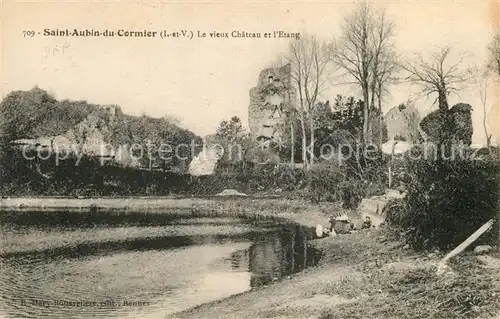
(472, 238)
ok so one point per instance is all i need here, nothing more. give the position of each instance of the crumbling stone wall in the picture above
(268, 102)
(402, 122)
(453, 125)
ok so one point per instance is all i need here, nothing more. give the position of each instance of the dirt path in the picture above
(376, 219)
(311, 293)
(297, 297)
(303, 295)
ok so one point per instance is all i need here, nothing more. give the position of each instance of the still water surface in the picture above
(119, 265)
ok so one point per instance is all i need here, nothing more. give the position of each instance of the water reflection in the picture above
(280, 254)
(127, 264)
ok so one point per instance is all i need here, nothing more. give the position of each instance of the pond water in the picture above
(137, 265)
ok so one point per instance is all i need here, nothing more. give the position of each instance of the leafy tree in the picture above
(231, 130)
(36, 113)
(349, 115)
(235, 142)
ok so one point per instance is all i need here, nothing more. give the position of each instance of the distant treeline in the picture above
(37, 114)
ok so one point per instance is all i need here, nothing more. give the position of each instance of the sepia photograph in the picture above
(250, 159)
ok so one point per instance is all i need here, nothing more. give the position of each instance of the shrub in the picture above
(352, 192)
(250, 179)
(375, 188)
(447, 201)
(394, 211)
(327, 181)
(324, 180)
(287, 177)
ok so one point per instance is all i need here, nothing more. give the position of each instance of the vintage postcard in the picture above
(250, 159)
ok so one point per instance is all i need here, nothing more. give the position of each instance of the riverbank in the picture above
(362, 275)
(365, 275)
(298, 211)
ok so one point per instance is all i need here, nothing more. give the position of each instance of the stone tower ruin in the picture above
(270, 101)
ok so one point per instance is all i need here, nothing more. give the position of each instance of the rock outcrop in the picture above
(482, 249)
(230, 192)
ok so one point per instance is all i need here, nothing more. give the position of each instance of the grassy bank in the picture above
(364, 275)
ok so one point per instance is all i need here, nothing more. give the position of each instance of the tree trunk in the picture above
(305, 253)
(442, 99)
(381, 119)
(293, 252)
(311, 123)
(291, 118)
(488, 136)
(389, 172)
(292, 142)
(370, 120)
(366, 97)
(304, 142)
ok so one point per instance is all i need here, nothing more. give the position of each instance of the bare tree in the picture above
(492, 66)
(436, 75)
(365, 53)
(494, 54)
(383, 76)
(308, 58)
(481, 78)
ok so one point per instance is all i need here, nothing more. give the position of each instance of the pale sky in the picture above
(203, 81)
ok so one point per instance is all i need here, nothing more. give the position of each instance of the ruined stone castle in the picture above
(269, 102)
(403, 122)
